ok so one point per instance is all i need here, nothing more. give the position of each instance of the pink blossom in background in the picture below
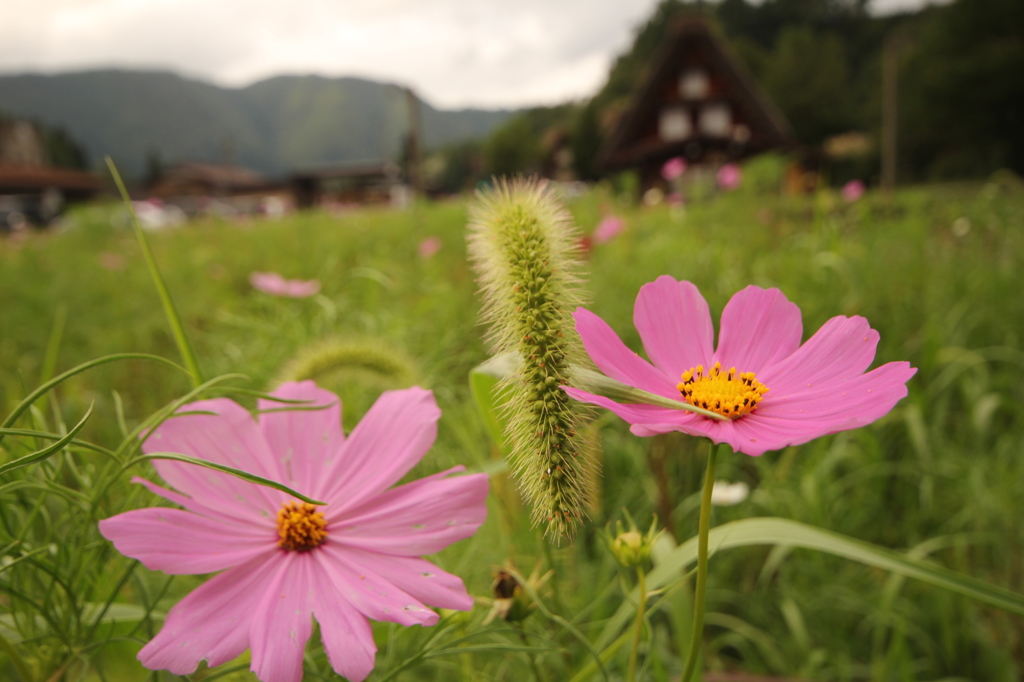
(853, 190)
(276, 285)
(729, 176)
(673, 168)
(286, 562)
(111, 261)
(428, 247)
(773, 391)
(675, 199)
(609, 228)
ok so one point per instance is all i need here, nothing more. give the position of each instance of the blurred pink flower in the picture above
(429, 246)
(853, 190)
(729, 176)
(111, 261)
(773, 391)
(286, 562)
(673, 168)
(675, 199)
(276, 285)
(609, 228)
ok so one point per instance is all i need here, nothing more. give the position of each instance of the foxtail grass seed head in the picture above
(523, 246)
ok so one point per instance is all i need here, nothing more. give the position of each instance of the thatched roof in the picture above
(697, 101)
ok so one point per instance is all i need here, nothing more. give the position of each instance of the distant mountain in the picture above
(271, 126)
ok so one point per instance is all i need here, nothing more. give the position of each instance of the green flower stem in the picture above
(702, 566)
(638, 630)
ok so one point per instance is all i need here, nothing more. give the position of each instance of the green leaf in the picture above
(773, 531)
(599, 384)
(40, 455)
(490, 397)
(244, 475)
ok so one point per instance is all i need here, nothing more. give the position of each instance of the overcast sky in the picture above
(454, 53)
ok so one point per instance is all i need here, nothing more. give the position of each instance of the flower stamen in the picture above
(300, 527)
(729, 394)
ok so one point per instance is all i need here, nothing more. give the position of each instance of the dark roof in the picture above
(38, 178)
(212, 174)
(354, 169)
(694, 43)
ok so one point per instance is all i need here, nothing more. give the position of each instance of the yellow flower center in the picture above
(300, 527)
(726, 393)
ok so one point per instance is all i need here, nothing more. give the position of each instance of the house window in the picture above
(674, 124)
(716, 120)
(694, 84)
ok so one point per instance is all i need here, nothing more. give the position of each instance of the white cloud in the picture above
(453, 52)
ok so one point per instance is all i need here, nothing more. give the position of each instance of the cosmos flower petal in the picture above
(861, 399)
(304, 439)
(211, 622)
(372, 595)
(844, 347)
(283, 622)
(675, 325)
(759, 327)
(179, 542)
(613, 358)
(417, 518)
(416, 577)
(177, 498)
(345, 633)
(401, 423)
(226, 435)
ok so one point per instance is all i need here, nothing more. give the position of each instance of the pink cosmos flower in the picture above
(609, 228)
(287, 562)
(673, 168)
(276, 285)
(853, 190)
(729, 176)
(773, 391)
(428, 247)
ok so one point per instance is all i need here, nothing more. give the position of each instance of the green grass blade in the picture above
(40, 455)
(34, 395)
(44, 435)
(244, 475)
(180, 338)
(53, 343)
(774, 531)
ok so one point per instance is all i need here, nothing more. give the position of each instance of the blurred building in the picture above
(33, 192)
(371, 182)
(206, 188)
(698, 102)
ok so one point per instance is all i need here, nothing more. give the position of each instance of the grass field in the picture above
(935, 270)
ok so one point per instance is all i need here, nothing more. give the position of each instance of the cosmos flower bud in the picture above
(524, 249)
(631, 547)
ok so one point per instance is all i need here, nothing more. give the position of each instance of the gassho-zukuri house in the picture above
(697, 102)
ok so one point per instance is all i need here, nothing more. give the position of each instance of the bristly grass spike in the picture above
(524, 247)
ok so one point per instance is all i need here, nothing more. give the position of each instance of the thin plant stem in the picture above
(638, 630)
(702, 567)
(550, 557)
(173, 318)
